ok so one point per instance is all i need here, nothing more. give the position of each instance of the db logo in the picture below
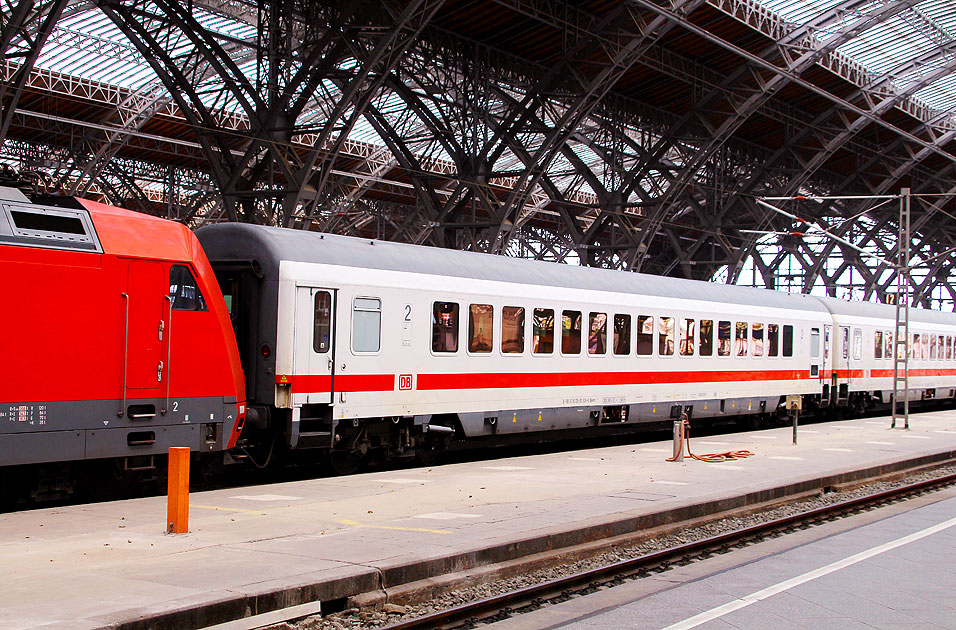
(404, 381)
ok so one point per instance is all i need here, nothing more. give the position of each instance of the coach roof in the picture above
(268, 246)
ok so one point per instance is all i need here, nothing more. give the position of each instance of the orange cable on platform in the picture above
(711, 458)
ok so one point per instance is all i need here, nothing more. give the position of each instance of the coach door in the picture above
(144, 304)
(313, 358)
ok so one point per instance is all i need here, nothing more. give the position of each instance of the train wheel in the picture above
(429, 454)
(342, 462)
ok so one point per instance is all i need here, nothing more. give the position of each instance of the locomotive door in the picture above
(145, 297)
(313, 357)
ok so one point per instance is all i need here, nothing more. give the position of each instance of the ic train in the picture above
(121, 339)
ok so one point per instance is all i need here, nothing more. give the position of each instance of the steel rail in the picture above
(547, 590)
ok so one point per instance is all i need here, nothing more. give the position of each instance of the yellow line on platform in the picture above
(401, 529)
(222, 509)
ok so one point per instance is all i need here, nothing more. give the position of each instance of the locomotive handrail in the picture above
(169, 347)
(122, 409)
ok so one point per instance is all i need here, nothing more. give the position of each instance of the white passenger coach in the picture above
(361, 346)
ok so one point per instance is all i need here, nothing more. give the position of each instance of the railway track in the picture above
(555, 591)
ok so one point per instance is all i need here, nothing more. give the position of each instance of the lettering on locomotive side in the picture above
(579, 401)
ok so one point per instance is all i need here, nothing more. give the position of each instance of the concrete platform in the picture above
(253, 549)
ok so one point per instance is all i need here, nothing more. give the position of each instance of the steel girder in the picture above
(25, 29)
(297, 52)
(501, 155)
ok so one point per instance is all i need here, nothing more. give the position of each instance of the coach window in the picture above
(184, 293)
(845, 341)
(645, 335)
(925, 339)
(706, 337)
(887, 345)
(571, 332)
(512, 330)
(949, 348)
(942, 347)
(366, 324)
(878, 344)
(481, 328)
(932, 347)
(857, 344)
(773, 340)
(814, 343)
(322, 322)
(687, 337)
(597, 333)
(622, 334)
(740, 340)
(665, 337)
(756, 340)
(445, 327)
(723, 338)
(542, 341)
(913, 351)
(788, 340)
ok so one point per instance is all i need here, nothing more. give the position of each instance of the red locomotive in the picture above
(116, 340)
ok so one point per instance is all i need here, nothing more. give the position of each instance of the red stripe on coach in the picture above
(583, 379)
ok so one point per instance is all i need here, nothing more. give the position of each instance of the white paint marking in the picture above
(802, 430)
(915, 437)
(852, 428)
(585, 459)
(764, 437)
(404, 481)
(839, 450)
(265, 497)
(446, 516)
(786, 585)
(655, 450)
(882, 443)
(942, 432)
(711, 443)
(733, 467)
(507, 468)
(786, 457)
(879, 424)
(672, 483)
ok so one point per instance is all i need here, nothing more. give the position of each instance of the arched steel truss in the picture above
(390, 119)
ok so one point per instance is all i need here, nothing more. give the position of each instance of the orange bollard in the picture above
(177, 504)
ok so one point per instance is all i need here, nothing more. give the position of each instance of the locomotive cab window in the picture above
(481, 328)
(542, 341)
(322, 322)
(366, 324)
(645, 335)
(597, 333)
(622, 334)
(445, 327)
(512, 330)
(571, 332)
(184, 293)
